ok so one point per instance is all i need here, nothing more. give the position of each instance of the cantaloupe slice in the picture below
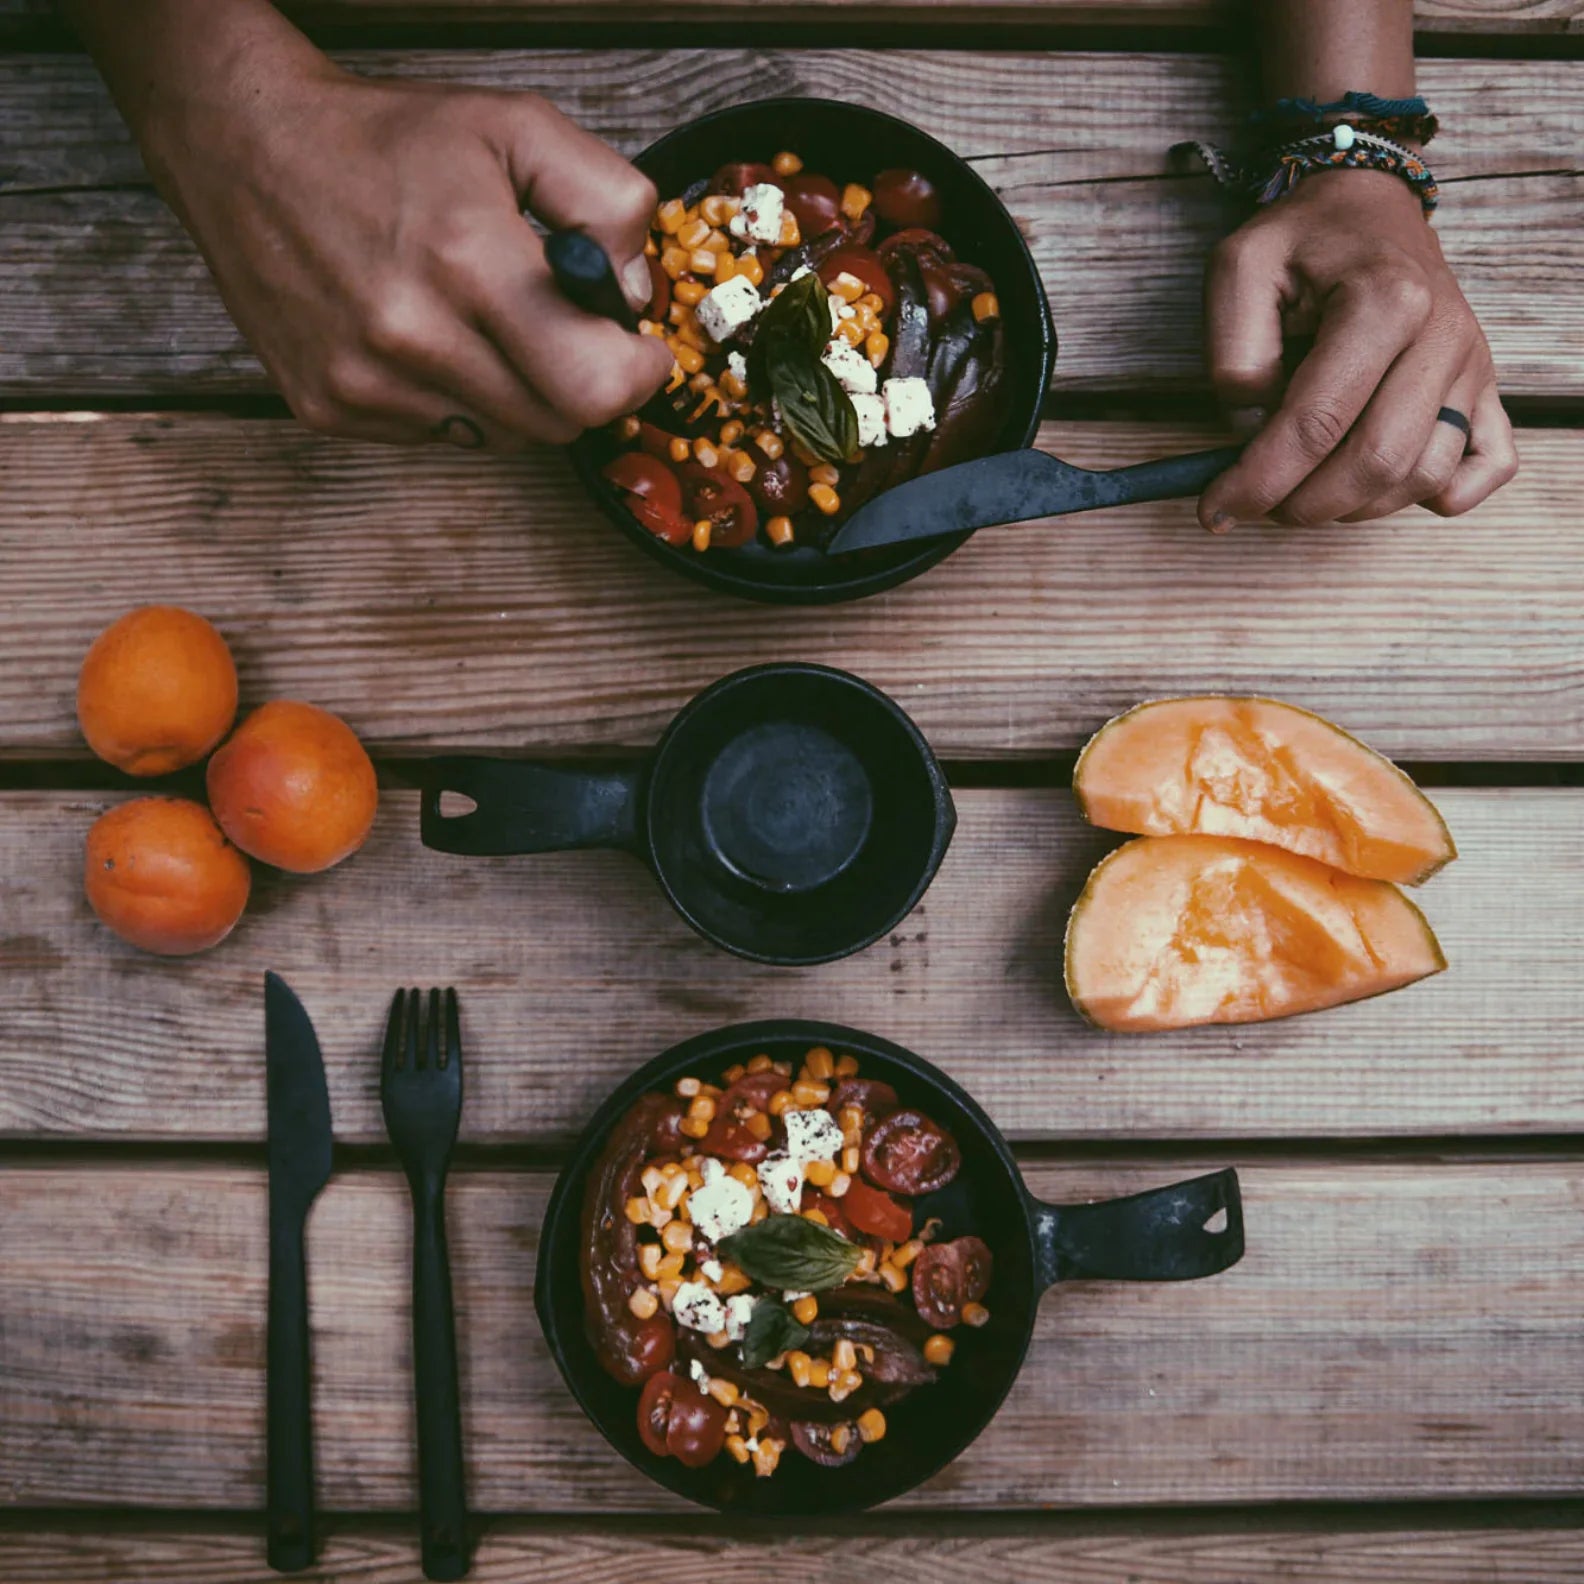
(1173, 931)
(1265, 771)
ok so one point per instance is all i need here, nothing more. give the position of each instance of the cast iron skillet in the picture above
(791, 813)
(846, 142)
(1156, 1236)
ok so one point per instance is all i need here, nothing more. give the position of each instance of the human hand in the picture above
(368, 240)
(1348, 258)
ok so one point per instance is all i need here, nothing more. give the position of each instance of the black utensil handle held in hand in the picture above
(521, 807)
(1188, 1230)
(1169, 478)
(289, 1414)
(441, 1499)
(586, 277)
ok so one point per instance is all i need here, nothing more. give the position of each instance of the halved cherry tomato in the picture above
(735, 178)
(977, 1265)
(779, 488)
(814, 1442)
(918, 238)
(866, 265)
(653, 494)
(906, 198)
(727, 1136)
(872, 1211)
(654, 1410)
(948, 1275)
(815, 200)
(696, 1429)
(755, 1089)
(874, 1098)
(659, 291)
(907, 1153)
(831, 1209)
(732, 1141)
(715, 494)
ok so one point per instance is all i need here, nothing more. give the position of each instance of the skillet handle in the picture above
(527, 808)
(1169, 478)
(1159, 1235)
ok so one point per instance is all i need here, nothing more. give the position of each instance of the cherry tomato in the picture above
(867, 265)
(727, 1137)
(654, 502)
(780, 487)
(732, 1141)
(831, 1209)
(814, 1442)
(654, 441)
(736, 178)
(872, 1211)
(753, 1089)
(938, 1293)
(714, 493)
(696, 1429)
(659, 291)
(654, 1410)
(909, 1154)
(815, 200)
(873, 1098)
(906, 198)
(977, 1265)
(919, 239)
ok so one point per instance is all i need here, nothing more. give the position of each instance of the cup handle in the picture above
(522, 807)
(1163, 1234)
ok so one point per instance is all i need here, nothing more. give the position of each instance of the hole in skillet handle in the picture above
(934, 1424)
(846, 142)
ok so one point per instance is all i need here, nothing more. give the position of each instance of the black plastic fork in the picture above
(421, 1095)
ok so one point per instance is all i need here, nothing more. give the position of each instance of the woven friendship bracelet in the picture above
(1407, 120)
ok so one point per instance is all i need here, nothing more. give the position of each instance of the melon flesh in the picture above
(1175, 931)
(1264, 771)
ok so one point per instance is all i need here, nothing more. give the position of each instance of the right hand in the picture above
(367, 236)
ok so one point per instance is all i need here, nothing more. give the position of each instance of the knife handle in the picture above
(289, 1432)
(586, 277)
(1169, 478)
(441, 1499)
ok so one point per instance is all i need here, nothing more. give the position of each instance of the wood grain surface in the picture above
(573, 971)
(378, 582)
(1393, 1332)
(100, 292)
(1050, 1550)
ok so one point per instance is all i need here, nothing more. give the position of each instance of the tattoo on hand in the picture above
(460, 431)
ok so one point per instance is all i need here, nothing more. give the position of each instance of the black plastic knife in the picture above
(1015, 487)
(299, 1166)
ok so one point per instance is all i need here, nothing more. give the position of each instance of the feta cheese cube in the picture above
(737, 365)
(739, 1309)
(759, 219)
(871, 420)
(697, 1308)
(711, 1270)
(854, 372)
(909, 406)
(812, 1136)
(723, 310)
(781, 1178)
(722, 1206)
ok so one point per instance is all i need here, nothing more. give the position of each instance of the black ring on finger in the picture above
(1450, 415)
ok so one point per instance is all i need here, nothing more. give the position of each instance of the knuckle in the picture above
(1319, 429)
(1407, 295)
(1381, 462)
(348, 381)
(633, 195)
(396, 323)
(600, 394)
(315, 410)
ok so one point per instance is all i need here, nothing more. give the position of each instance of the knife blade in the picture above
(1018, 486)
(298, 1156)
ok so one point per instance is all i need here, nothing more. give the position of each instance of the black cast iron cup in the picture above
(792, 814)
(1179, 1233)
(846, 142)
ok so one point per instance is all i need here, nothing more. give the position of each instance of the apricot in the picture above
(294, 787)
(161, 874)
(157, 690)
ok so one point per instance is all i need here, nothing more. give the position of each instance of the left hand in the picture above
(1348, 258)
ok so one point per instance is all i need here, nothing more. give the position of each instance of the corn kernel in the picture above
(672, 1192)
(651, 247)
(786, 164)
(691, 1127)
(733, 387)
(800, 1367)
(892, 1278)
(825, 473)
(724, 1392)
(643, 1303)
(689, 334)
(846, 1066)
(678, 1237)
(760, 1211)
(701, 262)
(844, 1356)
(839, 1184)
(670, 1267)
(691, 234)
(820, 1172)
(688, 292)
(690, 358)
(975, 1314)
(843, 1383)
(854, 200)
(731, 432)
(649, 1257)
(718, 1340)
(872, 1425)
(679, 450)
(704, 452)
(817, 1216)
(717, 209)
(875, 303)
(820, 1374)
(759, 1125)
(686, 1088)
(825, 498)
(733, 1280)
(866, 1264)
(737, 1448)
(876, 344)
(770, 443)
(668, 1289)
(839, 1437)
(790, 235)
(906, 1253)
(671, 215)
(758, 1416)
(939, 1349)
(704, 1107)
(650, 327)
(677, 376)
(986, 306)
(732, 1074)
(766, 1457)
(811, 1094)
(779, 530)
(847, 287)
(866, 320)
(744, 1173)
(851, 332)
(637, 1210)
(749, 267)
(742, 467)
(759, 1063)
(674, 261)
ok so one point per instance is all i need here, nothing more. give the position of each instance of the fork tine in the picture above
(414, 1010)
(432, 1032)
(390, 1057)
(453, 1030)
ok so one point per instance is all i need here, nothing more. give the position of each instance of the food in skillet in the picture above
(832, 343)
(750, 1259)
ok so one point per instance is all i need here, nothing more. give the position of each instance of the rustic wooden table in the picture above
(1390, 1386)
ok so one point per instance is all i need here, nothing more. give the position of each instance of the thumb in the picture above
(569, 179)
(1243, 326)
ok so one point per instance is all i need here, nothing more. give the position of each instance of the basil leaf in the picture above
(813, 405)
(786, 1251)
(771, 1330)
(800, 315)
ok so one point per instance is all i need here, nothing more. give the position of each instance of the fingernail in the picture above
(1247, 420)
(636, 281)
(1221, 522)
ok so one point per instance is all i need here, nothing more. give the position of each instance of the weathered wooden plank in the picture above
(380, 583)
(100, 290)
(1395, 1331)
(1053, 1550)
(573, 971)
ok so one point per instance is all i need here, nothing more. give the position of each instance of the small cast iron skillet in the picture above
(846, 142)
(1161, 1235)
(791, 813)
